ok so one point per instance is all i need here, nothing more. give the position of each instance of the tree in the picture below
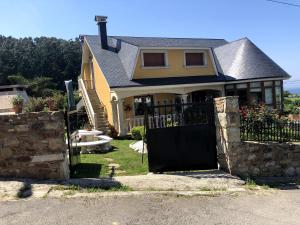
(37, 87)
(54, 58)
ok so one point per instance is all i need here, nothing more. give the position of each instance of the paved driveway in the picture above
(262, 207)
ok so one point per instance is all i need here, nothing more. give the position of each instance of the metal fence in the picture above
(278, 131)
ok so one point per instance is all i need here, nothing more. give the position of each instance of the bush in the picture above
(59, 101)
(137, 133)
(35, 105)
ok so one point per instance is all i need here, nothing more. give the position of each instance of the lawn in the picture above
(95, 165)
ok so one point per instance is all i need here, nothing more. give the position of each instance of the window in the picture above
(154, 59)
(195, 59)
(139, 104)
(269, 96)
(255, 96)
(278, 97)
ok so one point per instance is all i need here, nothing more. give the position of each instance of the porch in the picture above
(169, 112)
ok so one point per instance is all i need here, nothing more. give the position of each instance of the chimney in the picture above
(101, 22)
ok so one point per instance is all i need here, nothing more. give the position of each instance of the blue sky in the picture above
(272, 27)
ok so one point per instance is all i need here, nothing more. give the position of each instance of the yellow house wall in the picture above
(103, 91)
(86, 71)
(175, 68)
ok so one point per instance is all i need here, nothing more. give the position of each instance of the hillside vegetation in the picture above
(46, 61)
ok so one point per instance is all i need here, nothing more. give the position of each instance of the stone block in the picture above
(232, 134)
(5, 153)
(57, 144)
(298, 171)
(219, 106)
(52, 126)
(268, 155)
(47, 158)
(22, 128)
(290, 171)
(251, 157)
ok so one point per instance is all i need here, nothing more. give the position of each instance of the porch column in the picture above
(120, 117)
(184, 98)
(115, 113)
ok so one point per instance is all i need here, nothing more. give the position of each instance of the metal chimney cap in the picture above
(99, 19)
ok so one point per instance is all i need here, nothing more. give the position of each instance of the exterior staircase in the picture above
(102, 123)
(95, 109)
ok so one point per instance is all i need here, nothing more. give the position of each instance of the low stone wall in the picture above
(250, 158)
(265, 159)
(32, 145)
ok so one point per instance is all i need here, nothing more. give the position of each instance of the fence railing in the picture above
(278, 131)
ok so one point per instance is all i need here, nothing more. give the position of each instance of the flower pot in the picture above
(18, 108)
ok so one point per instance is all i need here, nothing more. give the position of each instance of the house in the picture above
(7, 93)
(119, 74)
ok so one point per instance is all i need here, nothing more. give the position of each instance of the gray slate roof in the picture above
(235, 60)
(159, 42)
(242, 59)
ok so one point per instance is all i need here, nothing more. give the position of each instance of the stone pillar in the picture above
(120, 110)
(227, 120)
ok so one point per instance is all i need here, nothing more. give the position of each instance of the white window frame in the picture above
(155, 51)
(195, 51)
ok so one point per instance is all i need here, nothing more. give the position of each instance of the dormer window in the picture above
(195, 59)
(154, 59)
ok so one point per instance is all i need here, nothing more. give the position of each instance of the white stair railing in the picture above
(88, 104)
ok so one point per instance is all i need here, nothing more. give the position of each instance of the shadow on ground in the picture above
(282, 183)
(84, 170)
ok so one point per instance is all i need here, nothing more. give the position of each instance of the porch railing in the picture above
(89, 108)
(156, 121)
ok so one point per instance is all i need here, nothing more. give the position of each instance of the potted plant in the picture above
(17, 102)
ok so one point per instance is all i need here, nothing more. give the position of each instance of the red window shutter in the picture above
(194, 59)
(154, 59)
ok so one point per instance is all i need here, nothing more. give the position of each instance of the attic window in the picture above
(195, 59)
(154, 59)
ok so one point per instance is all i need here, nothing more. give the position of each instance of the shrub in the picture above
(35, 105)
(59, 101)
(17, 100)
(137, 133)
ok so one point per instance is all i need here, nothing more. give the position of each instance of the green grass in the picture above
(95, 165)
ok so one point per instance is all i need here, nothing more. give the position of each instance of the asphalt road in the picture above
(282, 207)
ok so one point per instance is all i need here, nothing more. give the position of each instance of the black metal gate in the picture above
(181, 136)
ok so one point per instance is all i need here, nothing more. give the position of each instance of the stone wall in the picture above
(250, 158)
(32, 145)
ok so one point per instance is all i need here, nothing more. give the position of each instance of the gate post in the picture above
(227, 121)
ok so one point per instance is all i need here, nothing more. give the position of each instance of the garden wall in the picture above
(250, 158)
(32, 145)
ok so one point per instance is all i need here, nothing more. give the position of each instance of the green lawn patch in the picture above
(96, 165)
